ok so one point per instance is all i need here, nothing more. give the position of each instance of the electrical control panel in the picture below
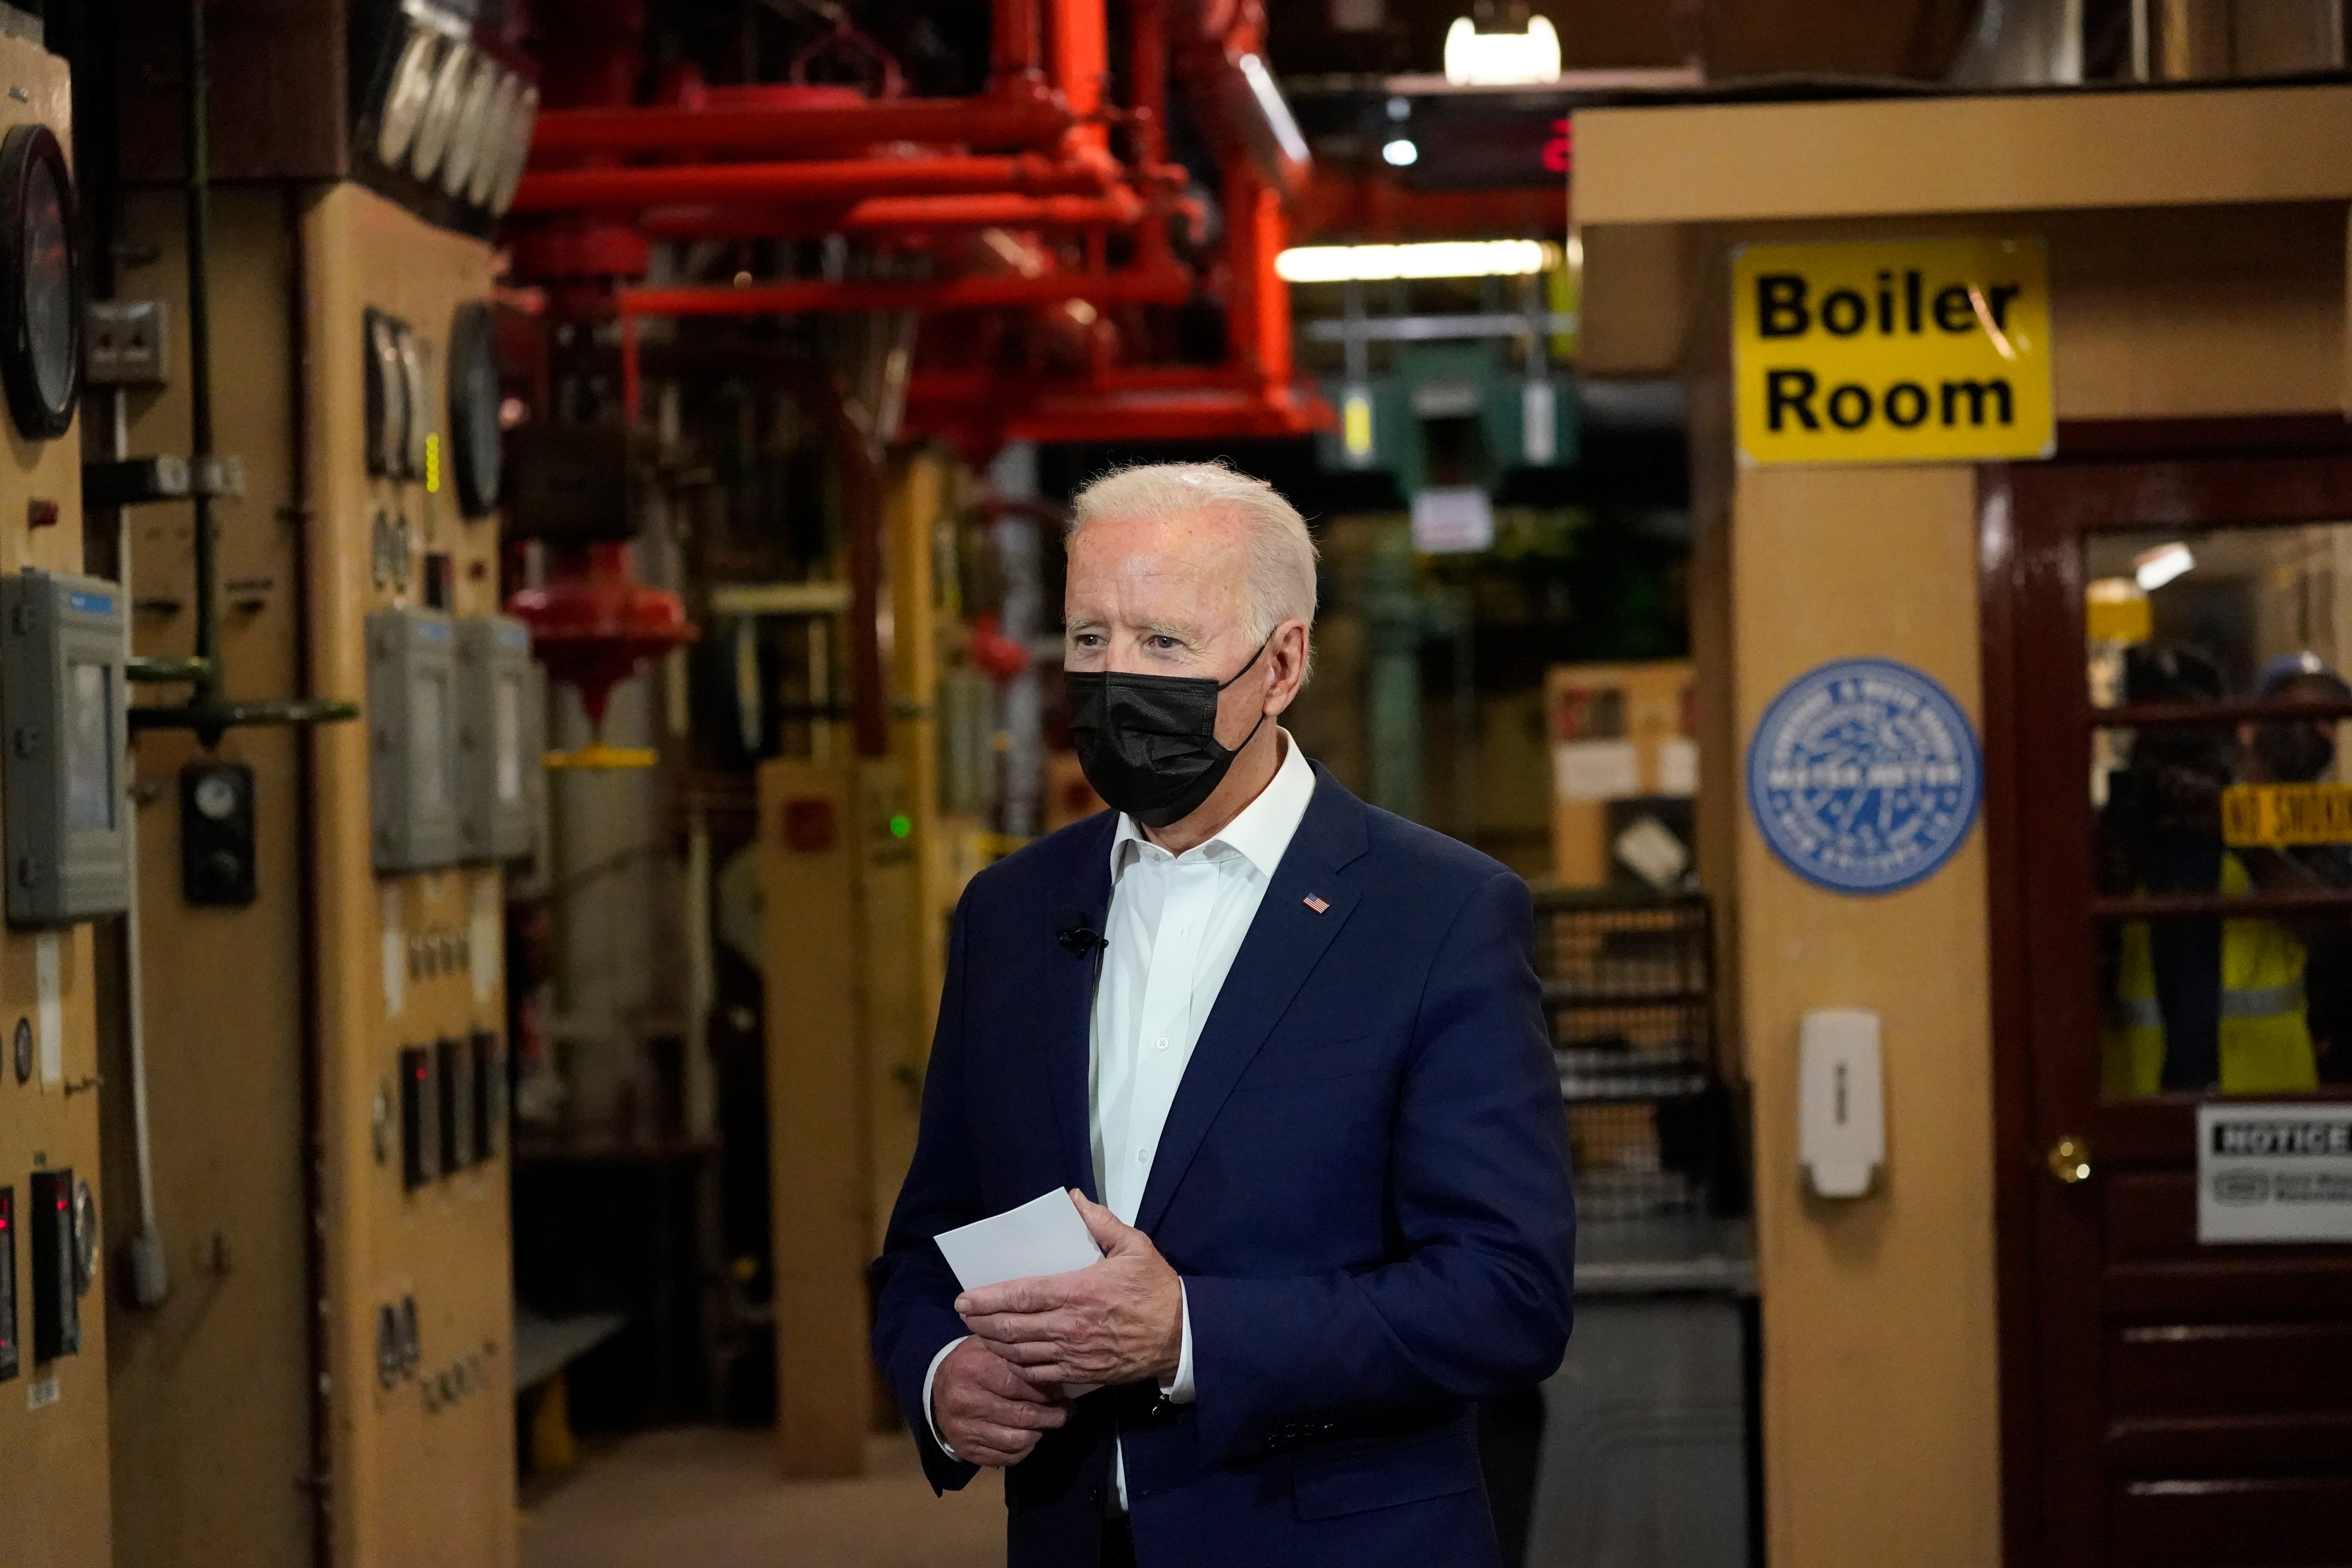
(498, 745)
(63, 709)
(412, 739)
(56, 1302)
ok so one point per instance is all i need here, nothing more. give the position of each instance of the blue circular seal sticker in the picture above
(1864, 776)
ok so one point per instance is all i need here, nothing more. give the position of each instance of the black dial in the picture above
(474, 432)
(40, 284)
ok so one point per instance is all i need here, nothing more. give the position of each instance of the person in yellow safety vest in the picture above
(2262, 1038)
(2261, 1030)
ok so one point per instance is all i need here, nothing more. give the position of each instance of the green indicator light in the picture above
(901, 825)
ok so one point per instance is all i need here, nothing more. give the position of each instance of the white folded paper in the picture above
(1044, 1235)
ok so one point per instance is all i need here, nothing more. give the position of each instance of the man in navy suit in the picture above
(1288, 1054)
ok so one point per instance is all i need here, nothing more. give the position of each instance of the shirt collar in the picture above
(1260, 833)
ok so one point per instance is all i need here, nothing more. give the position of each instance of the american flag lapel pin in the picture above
(1317, 905)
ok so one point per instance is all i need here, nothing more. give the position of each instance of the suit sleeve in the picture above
(1478, 1297)
(914, 1290)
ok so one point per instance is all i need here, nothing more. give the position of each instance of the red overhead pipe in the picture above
(1119, 208)
(993, 122)
(1168, 286)
(1148, 86)
(1079, 63)
(1014, 51)
(553, 190)
(1128, 416)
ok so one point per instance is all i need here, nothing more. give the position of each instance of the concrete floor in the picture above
(702, 1497)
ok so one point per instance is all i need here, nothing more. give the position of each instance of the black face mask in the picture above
(1149, 742)
(2294, 753)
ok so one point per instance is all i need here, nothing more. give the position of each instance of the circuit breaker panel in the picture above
(334, 859)
(61, 816)
(418, 804)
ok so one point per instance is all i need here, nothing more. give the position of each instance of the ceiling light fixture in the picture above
(1474, 59)
(1430, 259)
(2155, 568)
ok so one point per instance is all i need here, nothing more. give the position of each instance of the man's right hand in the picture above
(986, 1410)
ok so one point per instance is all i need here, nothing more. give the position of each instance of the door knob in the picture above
(2070, 1160)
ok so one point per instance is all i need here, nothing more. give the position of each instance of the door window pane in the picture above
(2256, 1003)
(2222, 849)
(2223, 607)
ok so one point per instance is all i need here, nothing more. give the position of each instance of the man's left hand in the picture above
(1120, 1320)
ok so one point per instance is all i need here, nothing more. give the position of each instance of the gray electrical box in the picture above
(497, 745)
(62, 689)
(412, 739)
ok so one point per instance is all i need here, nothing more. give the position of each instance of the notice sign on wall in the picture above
(1917, 352)
(2274, 1173)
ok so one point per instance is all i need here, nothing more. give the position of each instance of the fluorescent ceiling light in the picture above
(1431, 259)
(1474, 59)
(1400, 152)
(2155, 568)
(1270, 104)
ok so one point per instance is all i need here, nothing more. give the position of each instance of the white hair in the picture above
(1281, 585)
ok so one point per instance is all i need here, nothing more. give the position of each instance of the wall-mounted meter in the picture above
(61, 699)
(412, 739)
(496, 746)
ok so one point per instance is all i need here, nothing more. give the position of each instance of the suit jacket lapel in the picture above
(1285, 941)
(1067, 1010)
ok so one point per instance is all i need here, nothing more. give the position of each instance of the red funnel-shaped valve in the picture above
(594, 624)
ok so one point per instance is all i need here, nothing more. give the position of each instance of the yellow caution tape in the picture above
(2272, 815)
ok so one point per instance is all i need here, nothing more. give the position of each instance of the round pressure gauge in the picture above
(497, 128)
(517, 152)
(215, 796)
(405, 97)
(85, 1238)
(470, 144)
(475, 436)
(40, 284)
(440, 120)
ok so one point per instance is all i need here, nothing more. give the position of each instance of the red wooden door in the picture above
(2165, 1402)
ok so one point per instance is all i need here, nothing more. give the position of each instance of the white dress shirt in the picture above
(1175, 925)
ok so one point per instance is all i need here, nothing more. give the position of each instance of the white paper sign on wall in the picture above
(2274, 1173)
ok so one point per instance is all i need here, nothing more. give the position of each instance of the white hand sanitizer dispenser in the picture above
(1840, 1101)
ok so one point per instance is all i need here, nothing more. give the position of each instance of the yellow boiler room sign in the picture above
(1917, 352)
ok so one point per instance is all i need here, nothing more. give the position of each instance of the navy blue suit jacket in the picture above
(1363, 1180)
